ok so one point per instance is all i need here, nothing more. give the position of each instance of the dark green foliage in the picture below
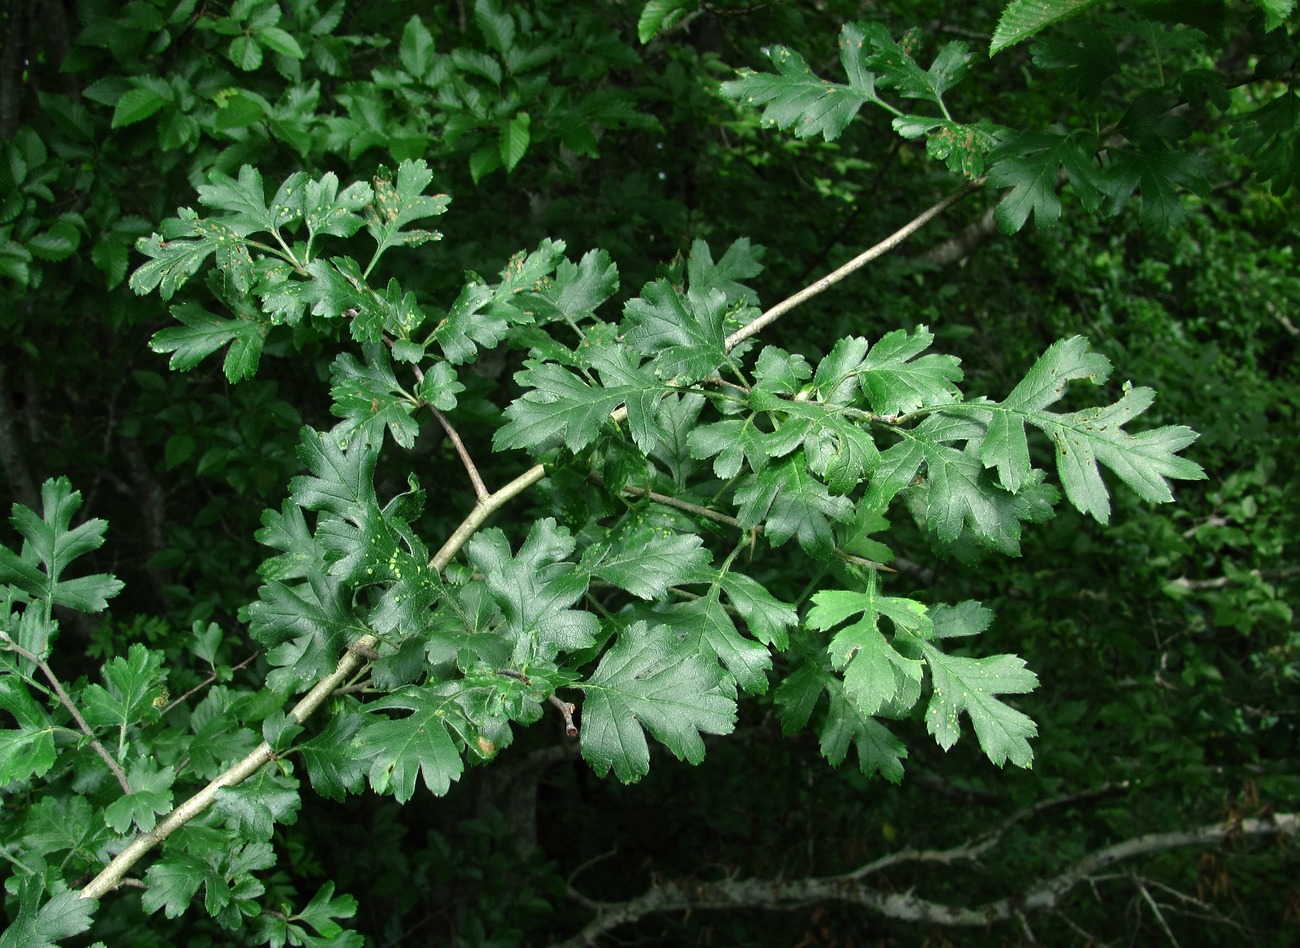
(587, 517)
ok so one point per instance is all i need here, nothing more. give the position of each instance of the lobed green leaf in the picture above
(203, 333)
(1084, 439)
(1022, 19)
(50, 545)
(535, 589)
(418, 745)
(972, 685)
(649, 682)
(401, 201)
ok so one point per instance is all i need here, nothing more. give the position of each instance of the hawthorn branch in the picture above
(724, 519)
(566, 709)
(480, 490)
(694, 509)
(1219, 582)
(114, 874)
(1155, 910)
(482, 510)
(791, 894)
(973, 849)
(857, 263)
(962, 245)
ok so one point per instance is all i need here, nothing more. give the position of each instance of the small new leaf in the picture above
(439, 387)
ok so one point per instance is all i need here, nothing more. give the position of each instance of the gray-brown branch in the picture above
(853, 889)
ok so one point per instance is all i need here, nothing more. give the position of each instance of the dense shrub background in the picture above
(1165, 642)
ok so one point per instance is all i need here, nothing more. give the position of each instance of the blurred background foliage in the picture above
(1166, 643)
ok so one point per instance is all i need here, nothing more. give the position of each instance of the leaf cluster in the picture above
(1138, 143)
(656, 594)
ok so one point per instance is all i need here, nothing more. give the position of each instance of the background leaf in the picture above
(1021, 19)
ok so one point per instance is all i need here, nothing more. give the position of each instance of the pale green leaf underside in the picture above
(972, 685)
